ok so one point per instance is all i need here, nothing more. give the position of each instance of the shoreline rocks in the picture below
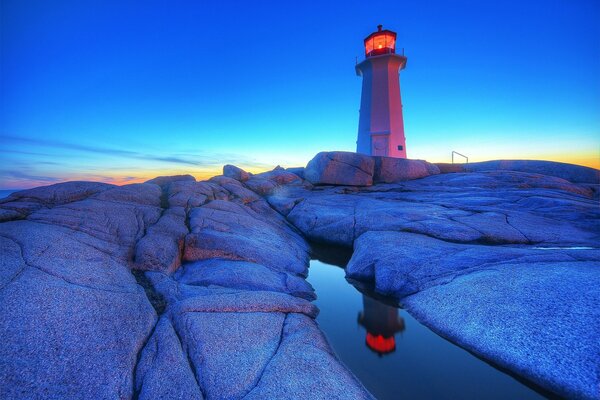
(487, 256)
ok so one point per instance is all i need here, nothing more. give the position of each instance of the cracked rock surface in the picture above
(504, 262)
(168, 289)
(182, 289)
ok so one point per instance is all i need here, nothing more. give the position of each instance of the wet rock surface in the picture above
(182, 289)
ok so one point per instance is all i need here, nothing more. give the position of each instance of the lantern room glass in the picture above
(382, 43)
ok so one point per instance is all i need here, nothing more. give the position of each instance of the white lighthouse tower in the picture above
(381, 126)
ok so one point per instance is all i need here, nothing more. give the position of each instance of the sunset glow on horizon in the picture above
(116, 93)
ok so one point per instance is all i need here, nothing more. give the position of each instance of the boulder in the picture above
(340, 168)
(231, 171)
(268, 182)
(297, 171)
(262, 341)
(390, 170)
(165, 180)
(280, 176)
(236, 189)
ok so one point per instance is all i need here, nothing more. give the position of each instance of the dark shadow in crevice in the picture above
(330, 254)
(156, 299)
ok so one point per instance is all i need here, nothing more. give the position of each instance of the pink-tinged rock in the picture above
(161, 248)
(20, 204)
(340, 168)
(223, 229)
(268, 182)
(236, 189)
(193, 194)
(165, 180)
(231, 171)
(390, 170)
(280, 176)
(59, 193)
(144, 194)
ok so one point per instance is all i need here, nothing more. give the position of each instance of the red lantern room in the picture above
(380, 42)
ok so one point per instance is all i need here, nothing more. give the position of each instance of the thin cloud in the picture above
(196, 159)
(96, 150)
(19, 175)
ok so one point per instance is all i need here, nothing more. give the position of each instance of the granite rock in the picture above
(502, 260)
(166, 180)
(390, 170)
(231, 171)
(340, 168)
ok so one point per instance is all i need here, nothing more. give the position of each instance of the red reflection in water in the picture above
(381, 344)
(382, 322)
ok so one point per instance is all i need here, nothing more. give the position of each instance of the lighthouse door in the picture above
(379, 145)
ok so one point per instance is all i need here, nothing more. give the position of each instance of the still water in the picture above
(396, 357)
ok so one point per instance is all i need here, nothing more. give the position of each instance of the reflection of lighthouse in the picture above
(382, 322)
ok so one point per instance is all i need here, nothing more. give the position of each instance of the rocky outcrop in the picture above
(220, 311)
(354, 169)
(20, 204)
(231, 171)
(73, 318)
(467, 208)
(390, 170)
(480, 257)
(340, 168)
(166, 180)
(186, 289)
(162, 246)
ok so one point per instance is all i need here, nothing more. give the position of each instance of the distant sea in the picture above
(5, 193)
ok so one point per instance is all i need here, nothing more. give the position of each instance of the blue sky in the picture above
(121, 91)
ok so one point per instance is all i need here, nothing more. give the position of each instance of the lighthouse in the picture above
(381, 126)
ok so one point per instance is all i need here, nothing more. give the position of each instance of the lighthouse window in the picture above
(400, 148)
(379, 41)
(369, 46)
